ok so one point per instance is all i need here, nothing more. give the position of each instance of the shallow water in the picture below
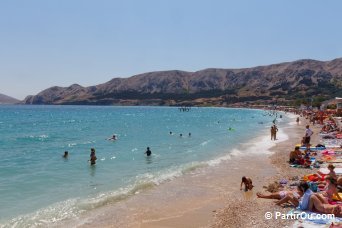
(38, 186)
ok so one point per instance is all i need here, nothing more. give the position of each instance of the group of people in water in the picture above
(93, 157)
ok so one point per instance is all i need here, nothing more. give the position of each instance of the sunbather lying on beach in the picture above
(318, 203)
(284, 196)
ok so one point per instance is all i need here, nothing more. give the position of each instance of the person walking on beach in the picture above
(272, 133)
(148, 152)
(275, 130)
(297, 120)
(93, 157)
(247, 182)
(308, 133)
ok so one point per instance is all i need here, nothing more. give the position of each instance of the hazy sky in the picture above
(61, 42)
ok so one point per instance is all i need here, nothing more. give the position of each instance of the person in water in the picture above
(247, 182)
(113, 138)
(148, 152)
(189, 134)
(180, 135)
(66, 154)
(93, 157)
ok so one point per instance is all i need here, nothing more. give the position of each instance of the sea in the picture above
(38, 186)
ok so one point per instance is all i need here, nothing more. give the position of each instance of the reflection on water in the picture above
(148, 160)
(92, 169)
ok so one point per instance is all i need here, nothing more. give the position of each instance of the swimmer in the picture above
(66, 154)
(113, 138)
(181, 135)
(148, 152)
(189, 134)
(171, 133)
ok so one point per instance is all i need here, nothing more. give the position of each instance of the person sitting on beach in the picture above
(331, 189)
(93, 157)
(247, 182)
(148, 152)
(305, 199)
(296, 156)
(66, 154)
(284, 196)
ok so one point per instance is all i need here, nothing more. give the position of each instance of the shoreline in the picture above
(190, 200)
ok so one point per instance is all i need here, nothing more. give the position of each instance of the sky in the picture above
(46, 43)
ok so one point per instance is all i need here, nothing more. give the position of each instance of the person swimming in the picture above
(180, 135)
(189, 134)
(148, 152)
(66, 154)
(113, 138)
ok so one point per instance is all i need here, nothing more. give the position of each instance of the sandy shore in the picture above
(209, 196)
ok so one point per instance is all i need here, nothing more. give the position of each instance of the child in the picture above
(332, 173)
(248, 183)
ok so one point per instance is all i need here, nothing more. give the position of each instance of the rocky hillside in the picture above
(284, 82)
(4, 99)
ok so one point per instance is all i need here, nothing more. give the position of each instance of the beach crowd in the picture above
(320, 191)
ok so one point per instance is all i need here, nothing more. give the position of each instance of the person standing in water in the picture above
(148, 152)
(93, 157)
(297, 120)
(66, 154)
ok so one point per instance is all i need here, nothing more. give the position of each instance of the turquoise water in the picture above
(38, 186)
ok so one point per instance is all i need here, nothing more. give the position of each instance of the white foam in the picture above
(205, 142)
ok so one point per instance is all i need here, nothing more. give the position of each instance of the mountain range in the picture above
(284, 83)
(4, 99)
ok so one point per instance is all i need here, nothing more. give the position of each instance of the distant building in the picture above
(336, 101)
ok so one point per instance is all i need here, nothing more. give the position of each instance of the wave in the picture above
(72, 208)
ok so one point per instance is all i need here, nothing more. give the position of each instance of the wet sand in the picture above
(206, 197)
